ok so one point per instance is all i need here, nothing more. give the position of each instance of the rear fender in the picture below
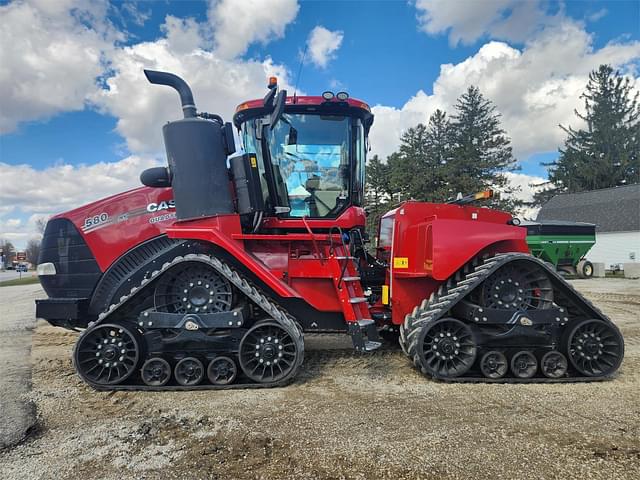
(428, 253)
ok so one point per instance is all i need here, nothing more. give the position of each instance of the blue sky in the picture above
(93, 116)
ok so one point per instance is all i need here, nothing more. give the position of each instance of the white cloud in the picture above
(40, 193)
(218, 84)
(468, 20)
(237, 24)
(323, 45)
(51, 55)
(535, 88)
(524, 189)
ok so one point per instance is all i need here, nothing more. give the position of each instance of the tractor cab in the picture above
(309, 152)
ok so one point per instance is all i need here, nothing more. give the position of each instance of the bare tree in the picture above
(33, 251)
(8, 252)
(41, 224)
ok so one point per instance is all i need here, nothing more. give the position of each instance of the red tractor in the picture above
(209, 275)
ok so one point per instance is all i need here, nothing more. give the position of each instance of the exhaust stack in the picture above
(180, 86)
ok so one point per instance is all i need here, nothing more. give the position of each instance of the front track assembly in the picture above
(234, 335)
(511, 318)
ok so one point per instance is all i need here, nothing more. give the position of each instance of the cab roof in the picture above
(302, 104)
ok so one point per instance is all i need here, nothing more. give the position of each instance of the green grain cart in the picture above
(564, 244)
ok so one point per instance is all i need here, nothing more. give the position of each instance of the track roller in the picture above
(156, 372)
(189, 371)
(554, 365)
(222, 371)
(494, 364)
(524, 364)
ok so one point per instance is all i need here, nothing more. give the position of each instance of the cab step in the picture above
(357, 300)
(364, 335)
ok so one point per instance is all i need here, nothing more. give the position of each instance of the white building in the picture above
(616, 213)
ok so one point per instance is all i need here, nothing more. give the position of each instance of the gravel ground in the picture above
(16, 322)
(346, 416)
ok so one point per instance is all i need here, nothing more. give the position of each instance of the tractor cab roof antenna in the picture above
(295, 89)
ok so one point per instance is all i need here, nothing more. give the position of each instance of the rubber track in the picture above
(455, 289)
(242, 284)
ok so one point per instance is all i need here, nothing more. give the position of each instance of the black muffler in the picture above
(197, 151)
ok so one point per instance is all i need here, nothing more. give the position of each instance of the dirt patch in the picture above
(346, 416)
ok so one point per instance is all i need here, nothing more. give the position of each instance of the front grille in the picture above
(76, 267)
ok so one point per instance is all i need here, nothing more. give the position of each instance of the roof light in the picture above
(327, 95)
(342, 96)
(484, 194)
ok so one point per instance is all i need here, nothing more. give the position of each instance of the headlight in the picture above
(46, 269)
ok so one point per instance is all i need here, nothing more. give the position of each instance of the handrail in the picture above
(313, 240)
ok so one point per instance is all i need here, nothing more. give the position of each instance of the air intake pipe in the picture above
(171, 80)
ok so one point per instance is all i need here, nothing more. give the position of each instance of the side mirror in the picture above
(156, 177)
(278, 109)
(267, 101)
(227, 133)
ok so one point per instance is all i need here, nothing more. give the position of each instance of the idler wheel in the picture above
(494, 364)
(222, 371)
(595, 348)
(554, 365)
(189, 372)
(106, 354)
(446, 348)
(524, 364)
(268, 352)
(156, 372)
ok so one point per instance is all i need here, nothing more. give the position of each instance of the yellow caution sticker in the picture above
(385, 294)
(400, 262)
(254, 162)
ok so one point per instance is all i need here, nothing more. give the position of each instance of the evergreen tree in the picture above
(377, 192)
(418, 170)
(481, 152)
(606, 151)
(408, 166)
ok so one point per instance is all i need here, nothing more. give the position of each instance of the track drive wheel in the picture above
(268, 352)
(595, 348)
(107, 354)
(446, 348)
(193, 287)
(517, 286)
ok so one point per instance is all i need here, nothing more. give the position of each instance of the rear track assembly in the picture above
(510, 318)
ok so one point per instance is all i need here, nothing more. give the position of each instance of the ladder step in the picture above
(357, 300)
(370, 346)
(350, 279)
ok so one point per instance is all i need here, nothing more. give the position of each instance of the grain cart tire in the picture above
(584, 269)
